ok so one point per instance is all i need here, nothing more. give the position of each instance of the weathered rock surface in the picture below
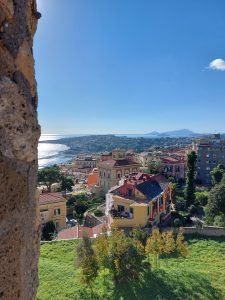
(19, 133)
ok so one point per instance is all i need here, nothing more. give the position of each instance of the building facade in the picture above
(210, 152)
(53, 208)
(112, 170)
(93, 178)
(173, 167)
(139, 200)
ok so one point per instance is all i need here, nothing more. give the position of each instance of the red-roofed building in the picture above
(139, 200)
(174, 167)
(112, 170)
(53, 208)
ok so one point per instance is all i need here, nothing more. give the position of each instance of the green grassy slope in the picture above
(199, 276)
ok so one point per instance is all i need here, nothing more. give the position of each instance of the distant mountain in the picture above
(175, 133)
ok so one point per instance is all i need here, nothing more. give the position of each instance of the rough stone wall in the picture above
(19, 133)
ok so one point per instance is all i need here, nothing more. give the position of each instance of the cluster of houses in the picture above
(133, 196)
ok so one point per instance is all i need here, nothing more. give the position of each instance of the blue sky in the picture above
(129, 66)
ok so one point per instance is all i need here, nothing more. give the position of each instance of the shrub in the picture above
(48, 231)
(219, 221)
(180, 204)
(202, 197)
(177, 222)
(98, 213)
(193, 209)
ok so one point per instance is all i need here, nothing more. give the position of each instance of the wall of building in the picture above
(19, 133)
(60, 219)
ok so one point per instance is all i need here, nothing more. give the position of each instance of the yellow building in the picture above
(140, 200)
(53, 208)
(112, 170)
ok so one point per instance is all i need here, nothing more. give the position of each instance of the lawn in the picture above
(201, 275)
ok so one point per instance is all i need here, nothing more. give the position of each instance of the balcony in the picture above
(115, 214)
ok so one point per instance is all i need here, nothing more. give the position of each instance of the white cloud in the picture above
(217, 64)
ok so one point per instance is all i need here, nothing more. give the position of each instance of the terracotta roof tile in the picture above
(47, 198)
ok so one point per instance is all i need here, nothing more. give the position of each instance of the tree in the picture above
(139, 235)
(155, 166)
(125, 258)
(180, 204)
(216, 202)
(101, 247)
(155, 246)
(86, 260)
(219, 220)
(49, 175)
(169, 244)
(181, 245)
(202, 197)
(190, 178)
(48, 231)
(66, 183)
(217, 174)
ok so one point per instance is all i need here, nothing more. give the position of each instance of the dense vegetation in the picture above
(49, 175)
(201, 275)
(100, 143)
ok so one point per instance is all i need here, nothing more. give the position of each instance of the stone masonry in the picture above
(19, 133)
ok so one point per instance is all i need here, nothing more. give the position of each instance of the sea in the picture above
(50, 154)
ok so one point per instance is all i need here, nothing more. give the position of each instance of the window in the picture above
(118, 175)
(129, 192)
(57, 212)
(121, 208)
(131, 210)
(207, 168)
(148, 211)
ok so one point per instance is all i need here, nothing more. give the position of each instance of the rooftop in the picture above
(48, 198)
(117, 163)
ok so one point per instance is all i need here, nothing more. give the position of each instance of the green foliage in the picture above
(181, 245)
(139, 235)
(219, 220)
(49, 175)
(171, 179)
(180, 204)
(217, 174)
(80, 208)
(190, 178)
(66, 183)
(98, 213)
(155, 166)
(48, 231)
(125, 257)
(177, 222)
(202, 197)
(192, 209)
(216, 202)
(86, 261)
(200, 275)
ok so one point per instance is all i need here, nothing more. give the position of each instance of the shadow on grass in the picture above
(167, 285)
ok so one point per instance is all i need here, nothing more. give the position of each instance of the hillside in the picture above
(100, 143)
(201, 275)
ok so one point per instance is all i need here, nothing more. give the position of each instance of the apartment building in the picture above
(210, 152)
(113, 169)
